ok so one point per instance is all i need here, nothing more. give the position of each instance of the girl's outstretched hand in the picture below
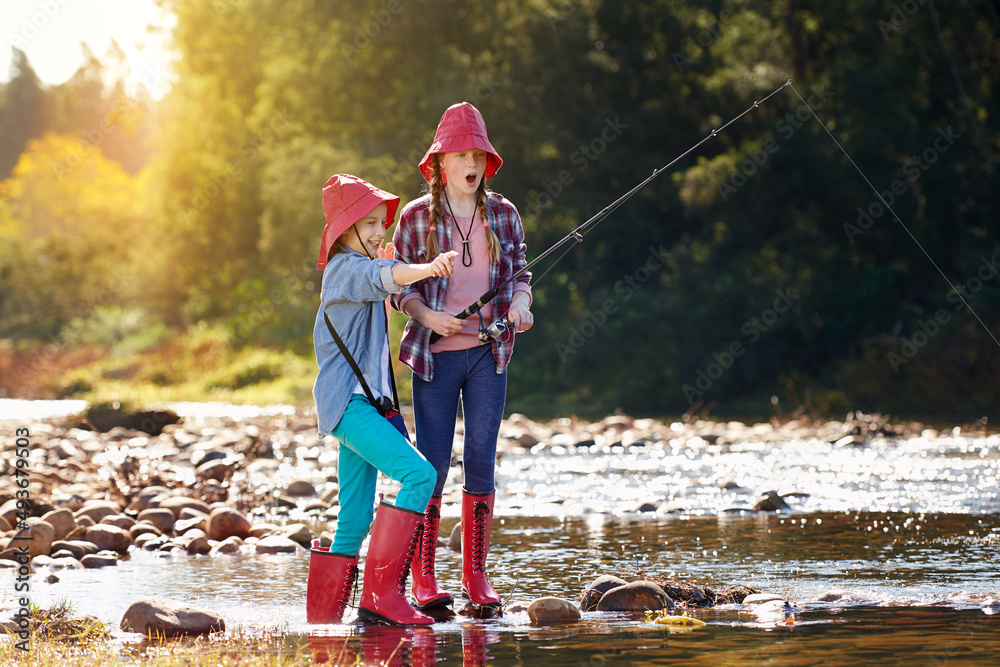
(387, 252)
(443, 264)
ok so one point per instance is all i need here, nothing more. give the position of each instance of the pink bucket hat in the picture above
(461, 128)
(346, 199)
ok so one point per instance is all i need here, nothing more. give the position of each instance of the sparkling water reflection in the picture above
(907, 587)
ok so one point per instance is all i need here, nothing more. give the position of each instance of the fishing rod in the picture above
(500, 326)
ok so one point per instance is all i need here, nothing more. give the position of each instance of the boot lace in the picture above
(405, 570)
(479, 512)
(350, 593)
(428, 541)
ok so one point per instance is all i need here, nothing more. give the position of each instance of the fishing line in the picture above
(577, 234)
(889, 208)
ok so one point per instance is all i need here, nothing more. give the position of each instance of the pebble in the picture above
(552, 610)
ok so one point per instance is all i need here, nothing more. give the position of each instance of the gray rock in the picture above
(153, 616)
(552, 610)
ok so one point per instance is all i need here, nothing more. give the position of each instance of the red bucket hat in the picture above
(461, 128)
(346, 199)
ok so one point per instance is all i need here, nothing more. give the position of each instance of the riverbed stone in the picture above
(770, 501)
(298, 533)
(226, 522)
(142, 528)
(161, 517)
(597, 588)
(79, 548)
(263, 529)
(102, 559)
(95, 510)
(37, 536)
(636, 596)
(106, 536)
(549, 609)
(67, 562)
(300, 487)
(62, 522)
(455, 540)
(194, 541)
(182, 526)
(275, 544)
(176, 503)
(155, 616)
(146, 496)
(230, 545)
(121, 520)
(761, 598)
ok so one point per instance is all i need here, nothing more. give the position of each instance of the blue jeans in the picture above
(370, 443)
(472, 375)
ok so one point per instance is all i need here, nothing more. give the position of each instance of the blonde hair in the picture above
(435, 186)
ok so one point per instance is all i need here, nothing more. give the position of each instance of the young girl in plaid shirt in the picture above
(459, 213)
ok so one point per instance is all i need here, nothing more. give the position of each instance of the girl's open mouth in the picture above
(471, 179)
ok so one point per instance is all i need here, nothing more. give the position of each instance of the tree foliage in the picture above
(759, 266)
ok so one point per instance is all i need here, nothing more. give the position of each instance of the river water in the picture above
(900, 537)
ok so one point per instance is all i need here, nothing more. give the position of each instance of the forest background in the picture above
(163, 247)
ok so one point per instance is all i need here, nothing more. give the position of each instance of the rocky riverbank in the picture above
(81, 494)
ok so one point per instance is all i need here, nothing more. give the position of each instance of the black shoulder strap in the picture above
(354, 365)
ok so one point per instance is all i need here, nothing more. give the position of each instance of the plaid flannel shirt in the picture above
(410, 240)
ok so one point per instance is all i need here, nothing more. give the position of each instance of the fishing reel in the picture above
(493, 331)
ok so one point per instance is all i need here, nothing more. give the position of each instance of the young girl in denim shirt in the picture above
(358, 275)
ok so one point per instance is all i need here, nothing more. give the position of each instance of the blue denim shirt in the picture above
(354, 289)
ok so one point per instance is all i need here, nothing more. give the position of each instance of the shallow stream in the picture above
(901, 537)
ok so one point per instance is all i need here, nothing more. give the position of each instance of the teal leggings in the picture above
(369, 444)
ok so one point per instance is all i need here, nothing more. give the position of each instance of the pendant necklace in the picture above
(466, 250)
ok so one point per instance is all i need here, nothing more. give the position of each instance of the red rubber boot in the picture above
(425, 588)
(395, 535)
(477, 523)
(328, 588)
